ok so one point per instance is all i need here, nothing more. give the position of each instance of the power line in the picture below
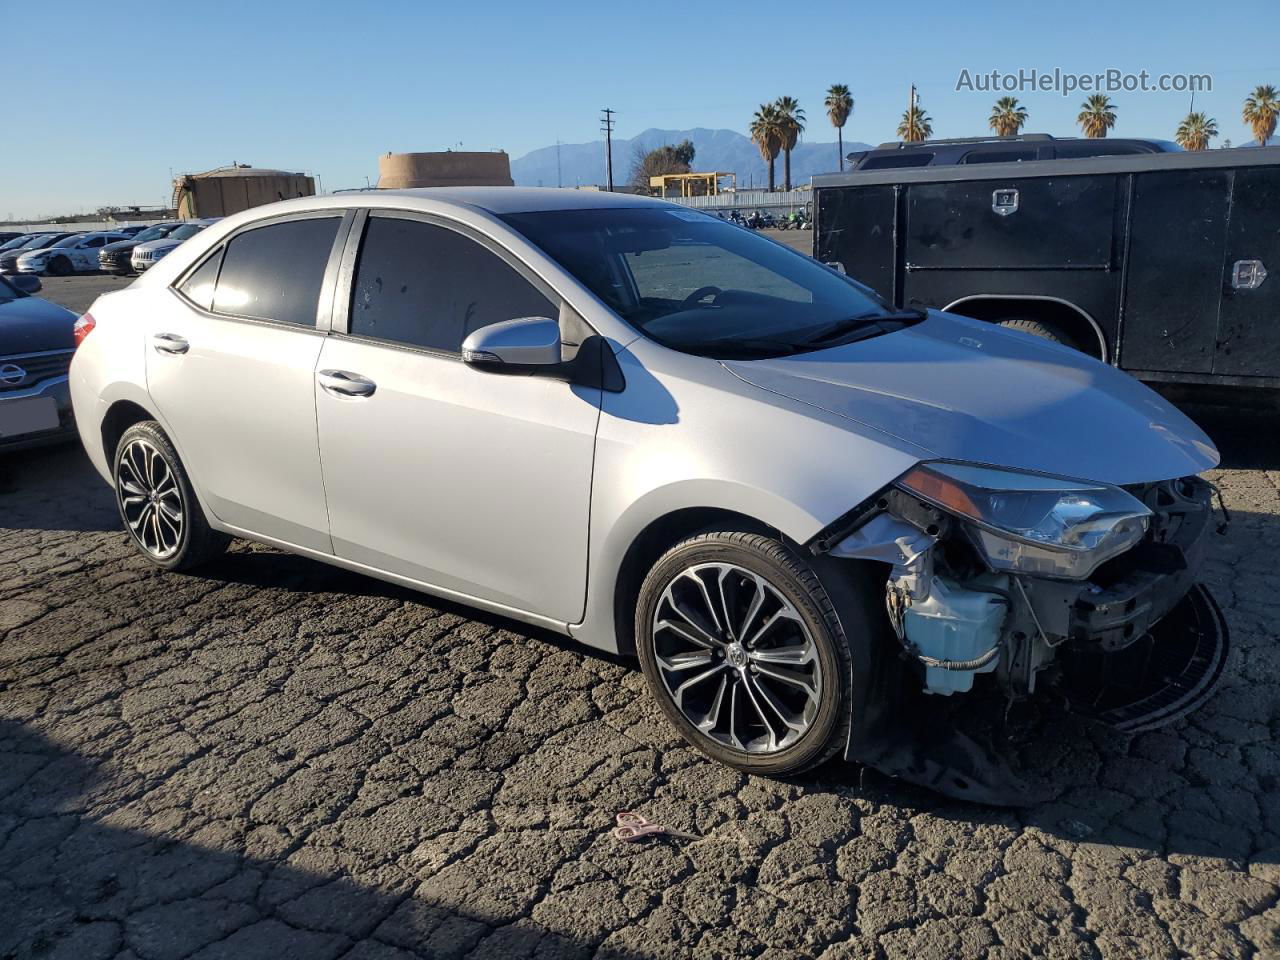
(606, 127)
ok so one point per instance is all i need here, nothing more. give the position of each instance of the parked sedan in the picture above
(9, 258)
(35, 352)
(116, 257)
(807, 513)
(74, 254)
(145, 255)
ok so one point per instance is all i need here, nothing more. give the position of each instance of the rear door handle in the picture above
(343, 383)
(169, 343)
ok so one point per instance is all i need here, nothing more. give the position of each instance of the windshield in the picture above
(44, 240)
(186, 230)
(700, 285)
(16, 242)
(70, 241)
(152, 233)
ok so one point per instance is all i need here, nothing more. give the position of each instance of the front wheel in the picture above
(159, 510)
(59, 267)
(743, 650)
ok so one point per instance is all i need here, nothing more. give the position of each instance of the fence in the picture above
(748, 200)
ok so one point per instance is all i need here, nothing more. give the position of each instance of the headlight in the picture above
(1028, 523)
(157, 254)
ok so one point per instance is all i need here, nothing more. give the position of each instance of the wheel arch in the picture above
(656, 538)
(998, 306)
(120, 416)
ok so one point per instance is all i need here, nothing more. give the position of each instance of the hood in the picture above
(30, 325)
(153, 245)
(127, 244)
(961, 389)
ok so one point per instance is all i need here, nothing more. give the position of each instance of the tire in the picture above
(752, 734)
(59, 267)
(159, 511)
(1045, 329)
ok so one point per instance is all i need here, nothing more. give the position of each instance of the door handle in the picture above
(342, 383)
(169, 343)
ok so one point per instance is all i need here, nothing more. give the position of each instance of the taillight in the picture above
(84, 327)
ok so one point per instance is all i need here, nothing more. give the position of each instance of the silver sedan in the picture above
(809, 515)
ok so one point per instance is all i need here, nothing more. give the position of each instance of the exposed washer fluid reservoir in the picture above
(956, 623)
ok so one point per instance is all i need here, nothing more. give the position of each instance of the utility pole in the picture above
(559, 182)
(607, 127)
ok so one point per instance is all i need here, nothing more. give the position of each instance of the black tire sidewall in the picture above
(150, 431)
(757, 554)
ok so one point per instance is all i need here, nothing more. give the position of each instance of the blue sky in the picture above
(120, 97)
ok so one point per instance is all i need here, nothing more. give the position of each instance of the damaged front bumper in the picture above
(1135, 645)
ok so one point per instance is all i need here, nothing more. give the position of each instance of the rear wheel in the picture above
(1045, 329)
(743, 650)
(159, 510)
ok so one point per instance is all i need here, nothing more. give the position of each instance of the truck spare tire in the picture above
(1040, 328)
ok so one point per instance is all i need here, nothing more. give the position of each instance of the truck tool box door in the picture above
(857, 229)
(1249, 320)
(1177, 242)
(1032, 223)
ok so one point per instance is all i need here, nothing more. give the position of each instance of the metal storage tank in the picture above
(228, 190)
(452, 168)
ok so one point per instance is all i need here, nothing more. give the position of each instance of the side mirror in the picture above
(26, 282)
(523, 342)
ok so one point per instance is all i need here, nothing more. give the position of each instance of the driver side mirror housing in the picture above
(523, 342)
(535, 346)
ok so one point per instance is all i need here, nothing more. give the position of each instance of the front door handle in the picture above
(169, 343)
(343, 383)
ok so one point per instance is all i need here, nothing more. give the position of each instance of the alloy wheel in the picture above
(150, 499)
(736, 658)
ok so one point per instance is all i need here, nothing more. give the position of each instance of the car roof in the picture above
(499, 200)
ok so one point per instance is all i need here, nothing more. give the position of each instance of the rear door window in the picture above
(275, 272)
(425, 285)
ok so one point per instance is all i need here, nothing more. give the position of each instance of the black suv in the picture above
(1027, 146)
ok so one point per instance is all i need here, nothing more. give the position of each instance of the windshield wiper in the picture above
(862, 321)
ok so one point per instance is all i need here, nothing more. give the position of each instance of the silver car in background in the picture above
(146, 255)
(810, 516)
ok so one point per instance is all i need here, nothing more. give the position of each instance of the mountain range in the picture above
(723, 150)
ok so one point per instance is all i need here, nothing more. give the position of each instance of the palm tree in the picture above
(1260, 111)
(792, 120)
(916, 125)
(1097, 116)
(1195, 131)
(839, 104)
(766, 132)
(1007, 118)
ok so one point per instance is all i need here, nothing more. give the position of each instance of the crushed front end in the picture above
(1040, 584)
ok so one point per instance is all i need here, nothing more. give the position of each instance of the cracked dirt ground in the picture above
(279, 759)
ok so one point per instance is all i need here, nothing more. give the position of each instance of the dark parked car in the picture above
(115, 257)
(15, 242)
(9, 259)
(1157, 264)
(7, 235)
(1027, 146)
(36, 343)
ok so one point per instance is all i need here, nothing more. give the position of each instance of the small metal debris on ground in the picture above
(634, 826)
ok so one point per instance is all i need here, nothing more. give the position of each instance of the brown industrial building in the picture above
(451, 168)
(228, 190)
